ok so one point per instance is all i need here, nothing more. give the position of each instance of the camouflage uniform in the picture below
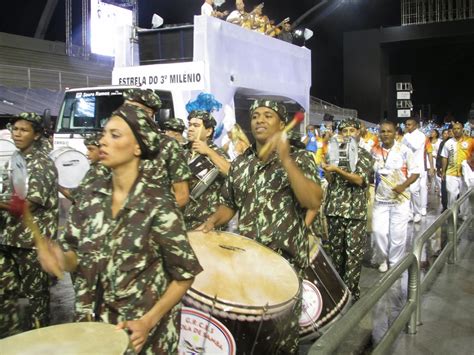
(346, 212)
(198, 210)
(174, 124)
(126, 263)
(21, 274)
(175, 160)
(270, 214)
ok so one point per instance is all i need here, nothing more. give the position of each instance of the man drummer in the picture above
(346, 210)
(96, 169)
(200, 133)
(20, 272)
(271, 194)
(170, 150)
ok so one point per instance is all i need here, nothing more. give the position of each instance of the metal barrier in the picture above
(410, 315)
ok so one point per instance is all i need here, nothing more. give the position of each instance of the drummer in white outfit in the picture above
(395, 170)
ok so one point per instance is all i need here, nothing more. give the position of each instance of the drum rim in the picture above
(124, 338)
(241, 309)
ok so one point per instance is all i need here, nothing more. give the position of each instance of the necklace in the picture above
(385, 157)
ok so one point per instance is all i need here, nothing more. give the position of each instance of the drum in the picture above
(71, 339)
(343, 152)
(241, 302)
(205, 172)
(7, 147)
(14, 177)
(325, 297)
(72, 166)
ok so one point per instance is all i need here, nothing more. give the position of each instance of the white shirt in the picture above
(234, 17)
(416, 141)
(206, 9)
(394, 165)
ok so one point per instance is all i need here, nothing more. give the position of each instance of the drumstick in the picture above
(391, 184)
(297, 118)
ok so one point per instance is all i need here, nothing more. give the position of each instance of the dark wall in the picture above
(363, 85)
(438, 57)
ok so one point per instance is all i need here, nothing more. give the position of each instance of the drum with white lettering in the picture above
(241, 302)
(70, 338)
(325, 296)
(71, 164)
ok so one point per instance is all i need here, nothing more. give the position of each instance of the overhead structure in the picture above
(45, 18)
(415, 12)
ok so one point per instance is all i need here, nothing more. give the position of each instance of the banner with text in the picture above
(176, 76)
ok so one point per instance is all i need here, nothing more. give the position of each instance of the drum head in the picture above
(333, 151)
(19, 175)
(72, 165)
(240, 272)
(7, 147)
(353, 154)
(71, 339)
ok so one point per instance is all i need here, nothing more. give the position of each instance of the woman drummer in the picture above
(126, 241)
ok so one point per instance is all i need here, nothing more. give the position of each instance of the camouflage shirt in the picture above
(199, 209)
(175, 159)
(96, 171)
(42, 194)
(269, 211)
(347, 200)
(126, 263)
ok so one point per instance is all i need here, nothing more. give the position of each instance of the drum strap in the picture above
(99, 296)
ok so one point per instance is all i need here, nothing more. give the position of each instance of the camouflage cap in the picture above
(205, 116)
(31, 117)
(349, 122)
(93, 139)
(143, 127)
(174, 124)
(276, 106)
(147, 97)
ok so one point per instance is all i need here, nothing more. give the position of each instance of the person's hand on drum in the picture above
(139, 332)
(201, 147)
(206, 226)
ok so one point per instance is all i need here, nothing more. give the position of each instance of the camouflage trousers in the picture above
(346, 249)
(21, 276)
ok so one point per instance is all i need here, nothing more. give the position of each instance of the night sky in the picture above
(443, 73)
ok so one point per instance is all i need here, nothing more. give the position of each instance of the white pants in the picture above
(455, 186)
(423, 190)
(415, 191)
(389, 228)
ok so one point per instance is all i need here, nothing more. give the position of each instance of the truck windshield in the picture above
(88, 110)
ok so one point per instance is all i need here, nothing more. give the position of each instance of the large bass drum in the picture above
(70, 338)
(325, 296)
(243, 300)
(71, 164)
